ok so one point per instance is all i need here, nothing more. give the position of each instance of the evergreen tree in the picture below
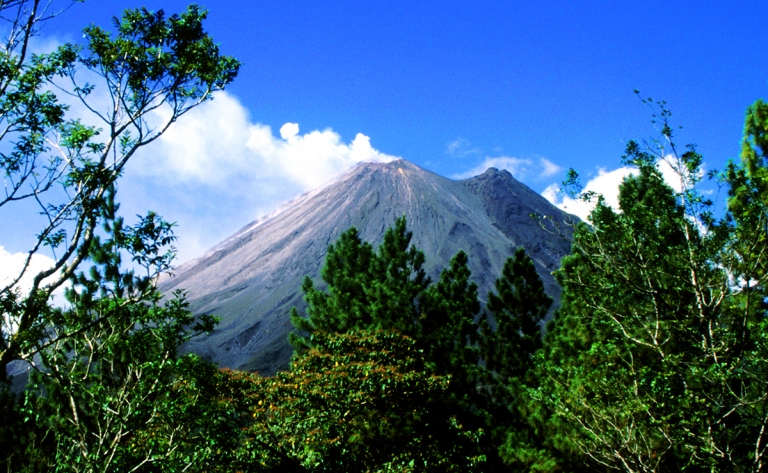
(447, 334)
(400, 280)
(517, 310)
(656, 360)
(447, 330)
(396, 294)
(349, 276)
(510, 336)
(366, 289)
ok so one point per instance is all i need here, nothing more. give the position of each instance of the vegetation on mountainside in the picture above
(655, 361)
(656, 358)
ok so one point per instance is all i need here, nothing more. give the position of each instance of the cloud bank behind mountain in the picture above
(215, 169)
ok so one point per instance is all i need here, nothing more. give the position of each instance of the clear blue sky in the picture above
(524, 79)
(449, 85)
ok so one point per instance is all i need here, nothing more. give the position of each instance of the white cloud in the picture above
(217, 142)
(215, 170)
(607, 184)
(670, 171)
(461, 147)
(289, 130)
(12, 263)
(549, 168)
(516, 166)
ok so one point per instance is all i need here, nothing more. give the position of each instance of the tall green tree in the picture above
(400, 282)
(447, 331)
(367, 288)
(348, 274)
(149, 62)
(387, 288)
(105, 369)
(510, 336)
(655, 361)
(517, 309)
(390, 291)
(107, 388)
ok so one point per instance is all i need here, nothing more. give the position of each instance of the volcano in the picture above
(252, 279)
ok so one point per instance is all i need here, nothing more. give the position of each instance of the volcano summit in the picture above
(253, 278)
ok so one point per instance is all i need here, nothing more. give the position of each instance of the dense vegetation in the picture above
(655, 360)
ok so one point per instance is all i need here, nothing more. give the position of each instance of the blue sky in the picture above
(525, 79)
(536, 86)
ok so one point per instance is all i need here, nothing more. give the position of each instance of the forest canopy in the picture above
(654, 361)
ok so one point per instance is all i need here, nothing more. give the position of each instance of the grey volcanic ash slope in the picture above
(252, 279)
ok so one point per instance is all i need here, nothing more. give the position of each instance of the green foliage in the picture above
(149, 50)
(108, 397)
(360, 401)
(748, 204)
(400, 280)
(447, 332)
(68, 168)
(367, 289)
(517, 309)
(655, 361)
(346, 305)
(109, 391)
(386, 288)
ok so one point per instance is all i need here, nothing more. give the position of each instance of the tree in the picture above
(656, 360)
(66, 167)
(359, 401)
(106, 373)
(509, 339)
(386, 288)
(109, 390)
(447, 331)
(112, 397)
(400, 280)
(346, 305)
(517, 309)
(366, 289)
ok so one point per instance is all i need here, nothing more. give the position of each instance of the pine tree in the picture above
(447, 331)
(366, 288)
(392, 292)
(517, 310)
(346, 305)
(400, 280)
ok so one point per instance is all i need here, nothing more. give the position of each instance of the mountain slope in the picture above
(252, 279)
